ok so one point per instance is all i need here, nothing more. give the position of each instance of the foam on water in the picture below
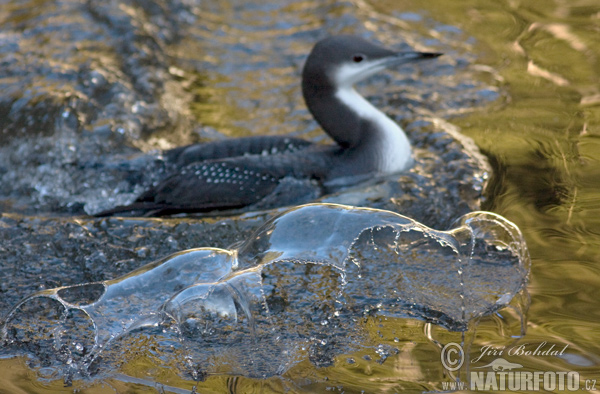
(295, 290)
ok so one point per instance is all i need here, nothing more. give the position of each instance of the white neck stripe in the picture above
(394, 151)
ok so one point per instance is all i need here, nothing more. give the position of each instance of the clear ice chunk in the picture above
(293, 290)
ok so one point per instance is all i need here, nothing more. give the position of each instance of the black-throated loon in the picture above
(264, 171)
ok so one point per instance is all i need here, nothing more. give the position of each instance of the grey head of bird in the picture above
(332, 68)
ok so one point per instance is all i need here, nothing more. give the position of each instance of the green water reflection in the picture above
(545, 147)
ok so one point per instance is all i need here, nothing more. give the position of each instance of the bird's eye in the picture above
(358, 58)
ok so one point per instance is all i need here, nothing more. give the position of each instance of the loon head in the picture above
(334, 65)
(344, 60)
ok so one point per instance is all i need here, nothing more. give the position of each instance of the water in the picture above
(520, 79)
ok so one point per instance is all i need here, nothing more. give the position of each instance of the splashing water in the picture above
(294, 290)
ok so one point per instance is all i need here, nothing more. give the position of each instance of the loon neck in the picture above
(370, 136)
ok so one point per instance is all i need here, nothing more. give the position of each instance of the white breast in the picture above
(394, 148)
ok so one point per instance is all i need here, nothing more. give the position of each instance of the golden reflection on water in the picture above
(545, 147)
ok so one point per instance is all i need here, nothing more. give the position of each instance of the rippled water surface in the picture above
(90, 92)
